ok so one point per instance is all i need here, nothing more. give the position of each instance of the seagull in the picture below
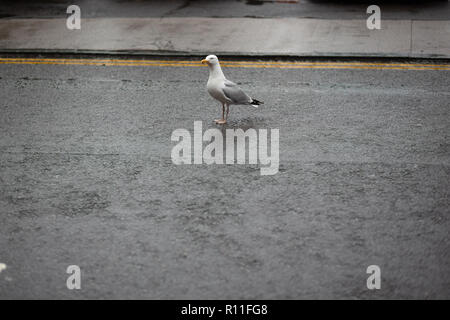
(225, 91)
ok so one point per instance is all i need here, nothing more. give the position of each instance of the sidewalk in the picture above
(229, 36)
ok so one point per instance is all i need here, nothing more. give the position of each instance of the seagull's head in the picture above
(211, 60)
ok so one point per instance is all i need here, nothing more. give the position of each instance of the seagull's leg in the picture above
(228, 111)
(222, 121)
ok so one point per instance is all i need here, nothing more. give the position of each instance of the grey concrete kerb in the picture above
(230, 36)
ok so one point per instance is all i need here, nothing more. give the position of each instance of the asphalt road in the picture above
(87, 179)
(322, 9)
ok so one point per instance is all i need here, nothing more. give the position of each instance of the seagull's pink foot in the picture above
(220, 121)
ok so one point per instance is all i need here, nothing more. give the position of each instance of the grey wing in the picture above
(235, 94)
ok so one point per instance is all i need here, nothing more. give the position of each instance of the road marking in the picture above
(231, 64)
(222, 62)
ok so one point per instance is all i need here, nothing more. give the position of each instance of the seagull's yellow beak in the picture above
(204, 61)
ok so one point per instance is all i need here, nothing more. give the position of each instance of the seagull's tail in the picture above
(255, 103)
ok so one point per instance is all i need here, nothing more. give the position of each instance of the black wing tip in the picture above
(256, 102)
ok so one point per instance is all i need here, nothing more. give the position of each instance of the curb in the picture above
(230, 55)
(253, 38)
